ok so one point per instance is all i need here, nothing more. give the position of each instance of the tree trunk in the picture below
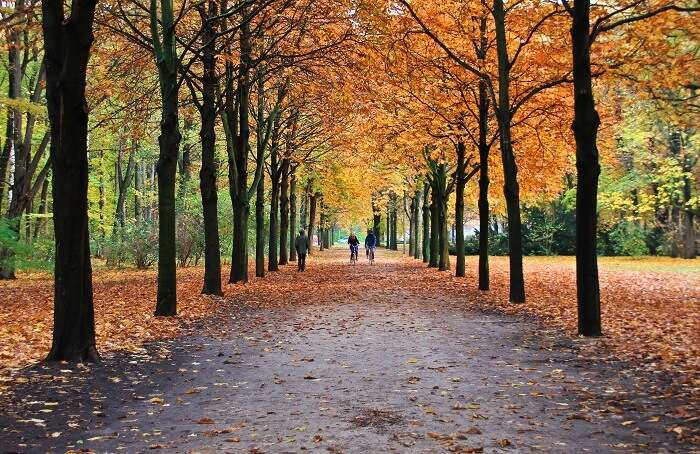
(393, 226)
(43, 208)
(208, 170)
(585, 126)
(284, 212)
(443, 239)
(687, 222)
(124, 183)
(313, 201)
(434, 228)
(483, 187)
(426, 223)
(169, 144)
(260, 229)
(272, 260)
(417, 225)
(9, 128)
(67, 43)
(459, 210)
(292, 215)
(511, 191)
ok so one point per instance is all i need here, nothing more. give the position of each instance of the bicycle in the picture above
(370, 255)
(353, 255)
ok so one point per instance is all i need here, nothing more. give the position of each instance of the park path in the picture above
(342, 359)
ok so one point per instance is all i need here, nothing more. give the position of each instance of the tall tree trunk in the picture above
(687, 224)
(260, 229)
(459, 209)
(208, 170)
(443, 238)
(393, 226)
(434, 227)
(43, 208)
(67, 43)
(511, 191)
(483, 169)
(238, 125)
(124, 183)
(411, 225)
(426, 222)
(585, 126)
(9, 128)
(284, 211)
(321, 226)
(292, 215)
(273, 247)
(377, 225)
(313, 201)
(417, 224)
(483, 190)
(163, 34)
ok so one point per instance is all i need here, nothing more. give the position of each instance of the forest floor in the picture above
(390, 357)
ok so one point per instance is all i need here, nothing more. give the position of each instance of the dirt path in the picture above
(344, 359)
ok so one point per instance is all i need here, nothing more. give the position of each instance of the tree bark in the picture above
(313, 201)
(292, 215)
(67, 44)
(443, 239)
(459, 209)
(426, 223)
(434, 228)
(43, 208)
(260, 229)
(585, 127)
(417, 246)
(483, 190)
(284, 211)
(208, 170)
(376, 221)
(163, 34)
(124, 183)
(511, 190)
(272, 260)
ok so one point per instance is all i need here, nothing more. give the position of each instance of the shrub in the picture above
(627, 238)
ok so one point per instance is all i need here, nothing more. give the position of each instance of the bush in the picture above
(137, 244)
(627, 238)
(18, 254)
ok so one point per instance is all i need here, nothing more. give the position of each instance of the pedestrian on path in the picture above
(302, 246)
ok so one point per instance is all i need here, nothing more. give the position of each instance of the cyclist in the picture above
(354, 243)
(370, 244)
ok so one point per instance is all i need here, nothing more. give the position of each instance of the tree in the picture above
(67, 42)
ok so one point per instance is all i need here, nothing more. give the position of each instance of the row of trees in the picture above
(458, 78)
(324, 114)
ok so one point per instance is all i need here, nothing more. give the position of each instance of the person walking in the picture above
(301, 244)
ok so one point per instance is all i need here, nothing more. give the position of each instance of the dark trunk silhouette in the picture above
(165, 53)
(434, 227)
(292, 216)
(313, 201)
(459, 209)
(511, 191)
(426, 223)
(260, 228)
(284, 211)
(208, 171)
(67, 42)
(585, 126)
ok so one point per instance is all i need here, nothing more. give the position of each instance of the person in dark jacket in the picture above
(370, 242)
(302, 246)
